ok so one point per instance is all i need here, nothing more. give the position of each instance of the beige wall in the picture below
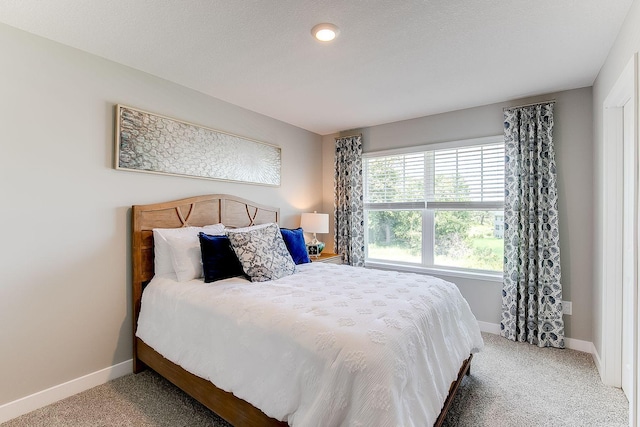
(574, 157)
(65, 269)
(625, 46)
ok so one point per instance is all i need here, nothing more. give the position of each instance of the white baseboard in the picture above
(573, 344)
(492, 328)
(46, 397)
(579, 345)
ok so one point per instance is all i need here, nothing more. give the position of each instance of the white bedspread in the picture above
(330, 345)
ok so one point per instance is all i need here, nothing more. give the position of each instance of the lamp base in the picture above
(314, 248)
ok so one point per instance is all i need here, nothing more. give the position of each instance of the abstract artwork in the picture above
(147, 142)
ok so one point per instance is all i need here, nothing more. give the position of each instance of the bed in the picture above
(248, 382)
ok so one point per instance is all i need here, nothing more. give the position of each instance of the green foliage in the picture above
(396, 228)
(451, 227)
(486, 259)
(452, 231)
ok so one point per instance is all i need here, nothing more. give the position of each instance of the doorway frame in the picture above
(625, 90)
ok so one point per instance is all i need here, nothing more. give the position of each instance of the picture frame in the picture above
(153, 143)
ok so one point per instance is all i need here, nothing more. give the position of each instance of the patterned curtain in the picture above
(531, 294)
(349, 216)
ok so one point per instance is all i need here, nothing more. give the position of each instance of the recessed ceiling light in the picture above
(325, 32)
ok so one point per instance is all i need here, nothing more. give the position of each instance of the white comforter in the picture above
(330, 345)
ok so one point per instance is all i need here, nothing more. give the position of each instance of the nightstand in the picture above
(328, 257)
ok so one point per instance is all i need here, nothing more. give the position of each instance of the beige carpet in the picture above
(510, 385)
(517, 384)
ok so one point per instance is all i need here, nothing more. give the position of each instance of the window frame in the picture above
(427, 210)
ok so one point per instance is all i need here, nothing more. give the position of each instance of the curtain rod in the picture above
(349, 136)
(530, 104)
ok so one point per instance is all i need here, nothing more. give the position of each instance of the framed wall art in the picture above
(148, 142)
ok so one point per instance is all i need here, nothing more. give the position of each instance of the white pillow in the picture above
(186, 256)
(163, 262)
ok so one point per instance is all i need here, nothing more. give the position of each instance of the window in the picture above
(441, 206)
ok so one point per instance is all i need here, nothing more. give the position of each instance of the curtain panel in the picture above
(532, 293)
(348, 200)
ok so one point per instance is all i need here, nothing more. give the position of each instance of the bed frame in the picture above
(198, 211)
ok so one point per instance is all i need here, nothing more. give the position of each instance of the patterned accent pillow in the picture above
(262, 253)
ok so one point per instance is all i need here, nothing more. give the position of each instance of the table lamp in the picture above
(315, 223)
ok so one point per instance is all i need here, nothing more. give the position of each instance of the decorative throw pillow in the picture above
(294, 239)
(262, 253)
(218, 259)
(165, 258)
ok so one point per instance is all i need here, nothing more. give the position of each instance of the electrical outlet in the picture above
(566, 307)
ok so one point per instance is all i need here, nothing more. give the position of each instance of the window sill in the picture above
(466, 274)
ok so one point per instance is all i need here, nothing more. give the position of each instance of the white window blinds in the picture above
(467, 176)
(395, 180)
(453, 178)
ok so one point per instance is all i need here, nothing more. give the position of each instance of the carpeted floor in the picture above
(510, 385)
(517, 384)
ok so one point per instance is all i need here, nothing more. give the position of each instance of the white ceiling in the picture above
(393, 60)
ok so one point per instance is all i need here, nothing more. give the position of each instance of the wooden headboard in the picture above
(195, 211)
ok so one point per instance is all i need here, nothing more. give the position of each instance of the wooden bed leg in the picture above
(138, 366)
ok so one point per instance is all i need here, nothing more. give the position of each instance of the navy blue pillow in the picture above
(218, 259)
(294, 239)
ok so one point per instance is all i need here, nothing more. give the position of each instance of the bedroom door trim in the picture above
(624, 92)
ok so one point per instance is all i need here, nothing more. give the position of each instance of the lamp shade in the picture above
(315, 222)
